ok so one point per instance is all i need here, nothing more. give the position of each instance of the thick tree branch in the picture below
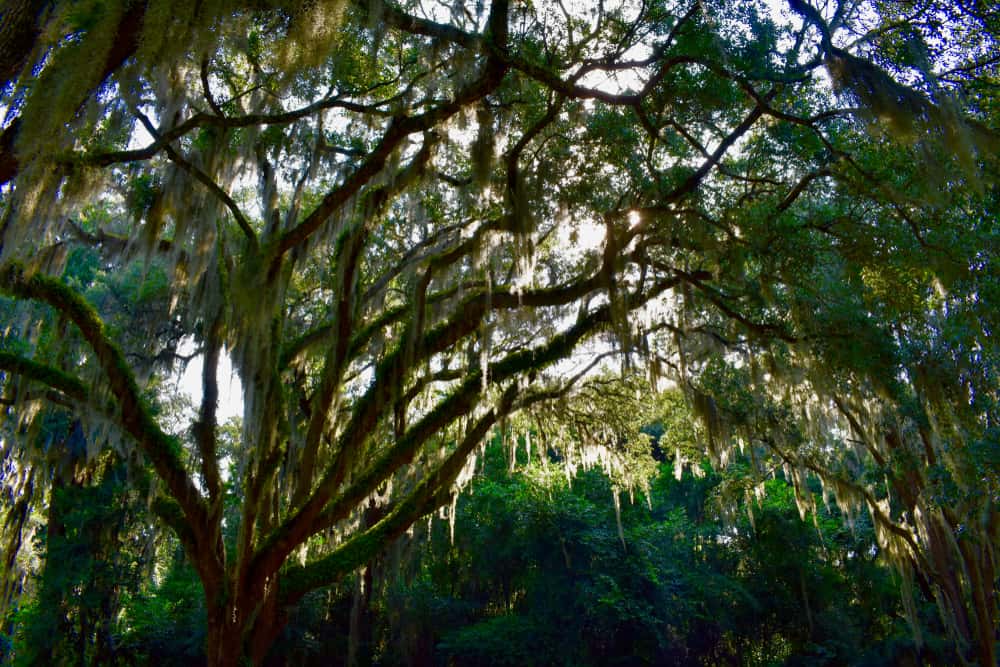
(373, 406)
(402, 127)
(125, 44)
(135, 418)
(65, 383)
(19, 30)
(347, 261)
(207, 424)
(429, 493)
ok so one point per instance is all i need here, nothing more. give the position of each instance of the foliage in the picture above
(410, 224)
(92, 559)
(165, 624)
(536, 574)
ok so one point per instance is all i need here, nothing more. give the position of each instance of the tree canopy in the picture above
(408, 222)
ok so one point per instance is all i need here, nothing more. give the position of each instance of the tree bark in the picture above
(223, 647)
(19, 30)
(241, 628)
(18, 39)
(12, 579)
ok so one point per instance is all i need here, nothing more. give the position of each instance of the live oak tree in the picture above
(381, 212)
(878, 373)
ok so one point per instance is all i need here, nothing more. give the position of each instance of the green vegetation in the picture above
(533, 571)
(756, 240)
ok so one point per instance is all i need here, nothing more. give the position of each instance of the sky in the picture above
(230, 389)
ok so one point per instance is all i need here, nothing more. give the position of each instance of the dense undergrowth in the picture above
(536, 572)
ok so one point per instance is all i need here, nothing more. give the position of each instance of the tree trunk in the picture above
(360, 633)
(11, 576)
(53, 599)
(240, 634)
(359, 652)
(223, 642)
(983, 600)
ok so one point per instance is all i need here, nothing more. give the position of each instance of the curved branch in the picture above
(126, 42)
(136, 419)
(713, 295)
(430, 492)
(401, 127)
(113, 244)
(205, 180)
(201, 119)
(65, 383)
(372, 406)
(397, 18)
